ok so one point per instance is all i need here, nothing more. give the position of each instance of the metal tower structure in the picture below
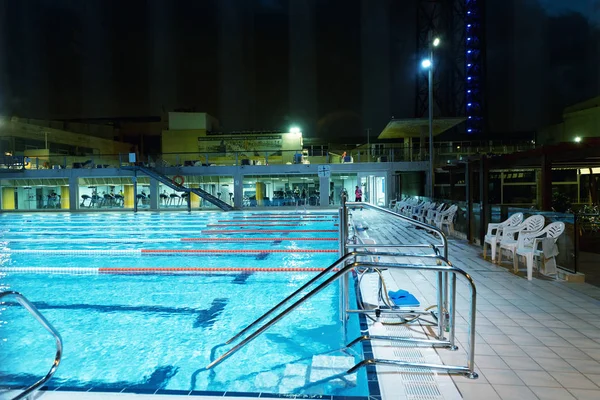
(458, 62)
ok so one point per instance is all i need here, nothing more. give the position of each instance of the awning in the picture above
(413, 127)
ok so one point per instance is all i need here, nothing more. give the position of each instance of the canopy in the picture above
(410, 128)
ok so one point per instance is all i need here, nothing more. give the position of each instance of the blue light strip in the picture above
(473, 68)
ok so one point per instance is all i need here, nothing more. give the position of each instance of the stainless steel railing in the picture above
(340, 269)
(420, 224)
(48, 326)
(348, 261)
(442, 293)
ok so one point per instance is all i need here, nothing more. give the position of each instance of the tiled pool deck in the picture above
(536, 339)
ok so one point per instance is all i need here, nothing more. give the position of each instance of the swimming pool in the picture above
(144, 301)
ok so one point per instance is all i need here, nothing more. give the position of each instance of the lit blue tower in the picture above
(459, 75)
(475, 59)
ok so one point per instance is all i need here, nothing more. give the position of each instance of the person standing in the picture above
(357, 194)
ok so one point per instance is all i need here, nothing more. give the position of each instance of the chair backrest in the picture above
(449, 213)
(434, 209)
(513, 220)
(533, 224)
(555, 229)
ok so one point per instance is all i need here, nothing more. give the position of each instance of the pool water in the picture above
(151, 331)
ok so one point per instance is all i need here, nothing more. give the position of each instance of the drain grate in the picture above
(418, 383)
(422, 391)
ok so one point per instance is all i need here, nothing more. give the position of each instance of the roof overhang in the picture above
(415, 127)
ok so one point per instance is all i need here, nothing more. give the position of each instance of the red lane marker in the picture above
(230, 225)
(162, 251)
(288, 216)
(252, 239)
(268, 220)
(215, 231)
(155, 270)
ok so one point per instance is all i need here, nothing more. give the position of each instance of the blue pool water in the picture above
(158, 331)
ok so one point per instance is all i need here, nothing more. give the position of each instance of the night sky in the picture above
(333, 67)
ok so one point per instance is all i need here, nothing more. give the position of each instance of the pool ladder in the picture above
(339, 270)
(446, 296)
(48, 326)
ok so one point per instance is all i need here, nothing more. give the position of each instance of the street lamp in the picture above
(428, 64)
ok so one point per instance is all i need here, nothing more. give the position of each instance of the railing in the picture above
(443, 151)
(197, 191)
(346, 263)
(341, 272)
(442, 301)
(48, 326)
(12, 162)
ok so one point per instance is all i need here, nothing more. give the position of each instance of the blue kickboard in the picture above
(403, 298)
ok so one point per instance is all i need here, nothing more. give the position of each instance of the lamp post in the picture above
(428, 64)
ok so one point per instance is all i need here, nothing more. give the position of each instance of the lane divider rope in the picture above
(220, 251)
(207, 269)
(135, 252)
(238, 224)
(94, 240)
(138, 252)
(52, 270)
(150, 270)
(289, 216)
(250, 239)
(269, 220)
(237, 231)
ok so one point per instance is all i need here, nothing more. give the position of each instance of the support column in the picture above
(238, 190)
(451, 179)
(324, 191)
(71, 201)
(129, 196)
(65, 198)
(154, 194)
(469, 189)
(8, 198)
(389, 189)
(546, 183)
(483, 197)
(194, 198)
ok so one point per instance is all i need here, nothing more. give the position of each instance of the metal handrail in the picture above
(48, 326)
(420, 224)
(442, 295)
(345, 269)
(327, 270)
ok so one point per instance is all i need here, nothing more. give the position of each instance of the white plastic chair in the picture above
(433, 213)
(447, 218)
(401, 205)
(528, 245)
(494, 233)
(410, 206)
(508, 241)
(419, 212)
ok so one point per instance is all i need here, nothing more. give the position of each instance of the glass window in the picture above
(281, 190)
(219, 186)
(340, 183)
(109, 193)
(35, 194)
